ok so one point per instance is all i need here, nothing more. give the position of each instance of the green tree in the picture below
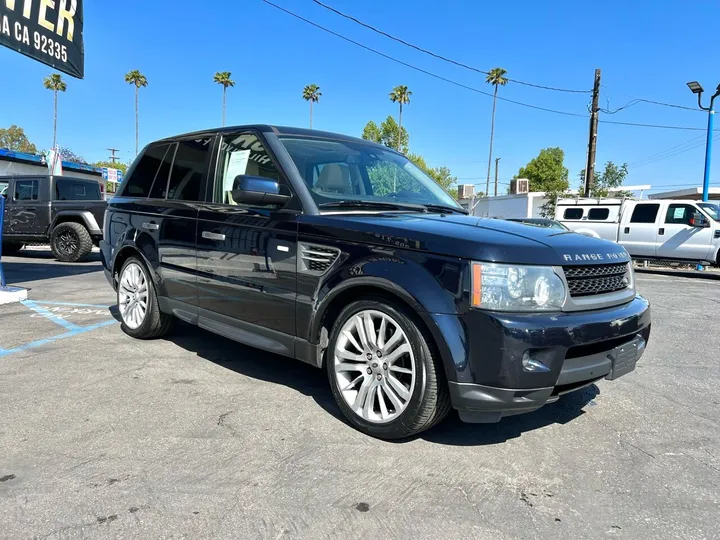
(401, 95)
(611, 176)
(547, 173)
(393, 135)
(14, 138)
(311, 93)
(389, 133)
(139, 80)
(497, 78)
(441, 175)
(55, 83)
(223, 78)
(371, 132)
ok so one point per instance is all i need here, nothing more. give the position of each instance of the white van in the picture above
(673, 230)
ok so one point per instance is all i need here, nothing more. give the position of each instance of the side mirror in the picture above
(698, 220)
(257, 190)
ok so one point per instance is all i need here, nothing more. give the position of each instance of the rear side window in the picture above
(26, 190)
(644, 213)
(188, 170)
(598, 214)
(573, 213)
(141, 179)
(159, 187)
(75, 190)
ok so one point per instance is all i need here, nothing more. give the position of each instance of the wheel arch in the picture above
(356, 289)
(84, 218)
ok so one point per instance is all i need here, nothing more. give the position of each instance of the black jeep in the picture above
(63, 211)
(343, 254)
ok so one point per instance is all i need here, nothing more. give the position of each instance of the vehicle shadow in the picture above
(312, 382)
(457, 433)
(35, 266)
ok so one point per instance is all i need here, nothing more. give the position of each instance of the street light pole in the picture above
(695, 88)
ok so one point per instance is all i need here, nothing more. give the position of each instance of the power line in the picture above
(472, 89)
(411, 66)
(662, 152)
(635, 101)
(680, 149)
(438, 56)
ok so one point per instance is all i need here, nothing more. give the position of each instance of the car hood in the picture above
(467, 237)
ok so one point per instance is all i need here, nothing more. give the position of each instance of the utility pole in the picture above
(113, 158)
(496, 174)
(592, 142)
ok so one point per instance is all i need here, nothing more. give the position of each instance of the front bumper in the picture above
(563, 353)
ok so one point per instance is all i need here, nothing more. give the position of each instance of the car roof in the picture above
(277, 130)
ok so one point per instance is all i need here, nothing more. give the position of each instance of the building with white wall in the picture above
(16, 163)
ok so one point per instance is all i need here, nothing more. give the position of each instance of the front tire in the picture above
(70, 242)
(138, 304)
(384, 374)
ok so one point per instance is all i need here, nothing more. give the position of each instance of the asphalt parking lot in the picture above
(195, 436)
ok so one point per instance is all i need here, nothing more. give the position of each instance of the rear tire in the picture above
(138, 303)
(70, 242)
(11, 248)
(388, 381)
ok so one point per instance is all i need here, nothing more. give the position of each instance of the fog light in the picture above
(532, 365)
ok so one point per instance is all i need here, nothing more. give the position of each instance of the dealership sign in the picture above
(50, 31)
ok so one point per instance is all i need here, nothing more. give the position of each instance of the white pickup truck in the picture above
(673, 230)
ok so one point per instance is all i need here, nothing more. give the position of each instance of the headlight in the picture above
(501, 287)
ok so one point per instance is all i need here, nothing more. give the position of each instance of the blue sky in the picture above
(642, 47)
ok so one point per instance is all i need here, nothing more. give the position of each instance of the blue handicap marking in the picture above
(72, 329)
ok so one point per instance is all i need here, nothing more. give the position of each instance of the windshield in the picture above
(338, 171)
(713, 210)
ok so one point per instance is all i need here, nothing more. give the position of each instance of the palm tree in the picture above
(55, 83)
(312, 94)
(139, 80)
(496, 77)
(401, 95)
(223, 78)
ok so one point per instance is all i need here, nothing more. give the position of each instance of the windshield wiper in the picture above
(373, 204)
(443, 208)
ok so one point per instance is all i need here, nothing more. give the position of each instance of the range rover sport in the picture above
(343, 254)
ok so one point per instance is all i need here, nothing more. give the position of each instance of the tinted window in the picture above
(241, 154)
(67, 189)
(26, 190)
(338, 170)
(598, 213)
(680, 214)
(573, 213)
(644, 213)
(188, 170)
(144, 170)
(159, 187)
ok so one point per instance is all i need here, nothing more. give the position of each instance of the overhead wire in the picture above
(439, 56)
(416, 68)
(467, 87)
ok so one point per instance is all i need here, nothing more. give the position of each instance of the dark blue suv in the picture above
(343, 254)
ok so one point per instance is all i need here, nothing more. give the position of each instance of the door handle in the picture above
(661, 231)
(150, 226)
(627, 230)
(213, 235)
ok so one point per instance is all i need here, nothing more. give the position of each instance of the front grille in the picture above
(317, 259)
(596, 279)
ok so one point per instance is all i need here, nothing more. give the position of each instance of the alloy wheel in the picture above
(133, 295)
(67, 242)
(374, 366)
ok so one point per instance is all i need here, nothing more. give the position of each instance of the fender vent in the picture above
(316, 259)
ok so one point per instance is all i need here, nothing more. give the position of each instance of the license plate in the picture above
(624, 358)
